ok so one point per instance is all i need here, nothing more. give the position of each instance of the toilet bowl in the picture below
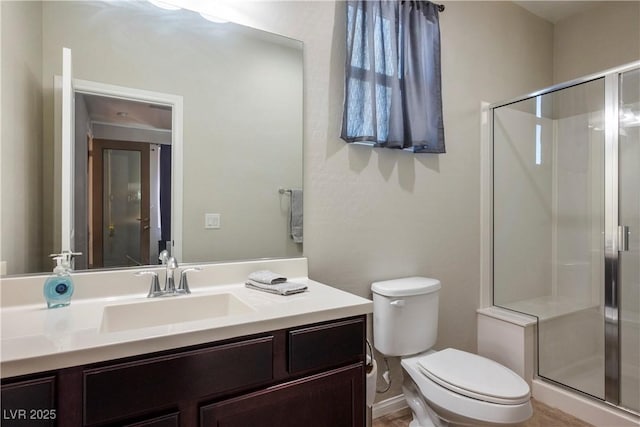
(448, 387)
(454, 387)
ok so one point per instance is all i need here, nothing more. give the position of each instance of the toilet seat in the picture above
(474, 376)
(457, 404)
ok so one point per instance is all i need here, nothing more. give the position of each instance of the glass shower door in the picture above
(571, 328)
(566, 228)
(549, 169)
(629, 217)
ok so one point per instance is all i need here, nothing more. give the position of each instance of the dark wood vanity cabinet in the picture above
(29, 402)
(329, 399)
(310, 376)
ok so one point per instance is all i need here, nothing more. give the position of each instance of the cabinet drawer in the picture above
(29, 403)
(139, 387)
(326, 345)
(329, 399)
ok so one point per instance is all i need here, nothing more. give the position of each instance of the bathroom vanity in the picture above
(287, 361)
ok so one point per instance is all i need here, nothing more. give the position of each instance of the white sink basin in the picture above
(168, 310)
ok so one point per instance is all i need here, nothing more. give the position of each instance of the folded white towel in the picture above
(267, 277)
(285, 288)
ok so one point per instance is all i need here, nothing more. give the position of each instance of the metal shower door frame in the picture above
(614, 232)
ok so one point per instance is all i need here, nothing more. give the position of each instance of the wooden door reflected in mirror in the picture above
(119, 226)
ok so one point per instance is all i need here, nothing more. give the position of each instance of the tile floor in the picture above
(543, 416)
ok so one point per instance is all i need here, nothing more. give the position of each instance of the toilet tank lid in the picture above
(406, 286)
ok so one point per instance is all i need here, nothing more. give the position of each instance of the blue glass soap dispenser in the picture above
(58, 288)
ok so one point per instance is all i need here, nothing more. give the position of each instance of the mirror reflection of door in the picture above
(119, 197)
(122, 190)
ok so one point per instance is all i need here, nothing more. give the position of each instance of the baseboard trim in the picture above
(588, 410)
(388, 406)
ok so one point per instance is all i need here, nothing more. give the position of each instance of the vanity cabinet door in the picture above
(330, 399)
(29, 403)
(157, 384)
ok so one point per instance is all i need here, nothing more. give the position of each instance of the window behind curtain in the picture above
(392, 79)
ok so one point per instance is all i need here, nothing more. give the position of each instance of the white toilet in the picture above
(447, 387)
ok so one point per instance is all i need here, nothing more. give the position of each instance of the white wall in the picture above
(21, 177)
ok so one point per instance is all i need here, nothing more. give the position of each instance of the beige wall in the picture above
(21, 177)
(375, 214)
(597, 39)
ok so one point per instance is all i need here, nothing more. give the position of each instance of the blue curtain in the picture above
(393, 95)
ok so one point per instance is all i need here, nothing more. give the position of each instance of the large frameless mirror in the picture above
(240, 122)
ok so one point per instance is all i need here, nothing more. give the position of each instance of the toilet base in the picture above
(423, 415)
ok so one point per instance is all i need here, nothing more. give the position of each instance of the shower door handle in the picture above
(623, 238)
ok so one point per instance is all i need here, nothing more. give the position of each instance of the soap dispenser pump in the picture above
(58, 288)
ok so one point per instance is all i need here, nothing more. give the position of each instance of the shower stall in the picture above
(566, 228)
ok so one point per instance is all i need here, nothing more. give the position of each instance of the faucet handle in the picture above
(154, 289)
(183, 287)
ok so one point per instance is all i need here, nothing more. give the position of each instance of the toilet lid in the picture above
(474, 376)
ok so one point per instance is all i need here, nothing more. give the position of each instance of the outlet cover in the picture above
(211, 220)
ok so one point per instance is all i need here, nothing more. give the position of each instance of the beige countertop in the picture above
(37, 339)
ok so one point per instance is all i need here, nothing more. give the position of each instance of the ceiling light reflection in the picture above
(164, 5)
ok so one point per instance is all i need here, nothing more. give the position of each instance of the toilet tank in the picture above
(405, 315)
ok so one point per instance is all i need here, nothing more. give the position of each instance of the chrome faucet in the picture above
(171, 265)
(169, 281)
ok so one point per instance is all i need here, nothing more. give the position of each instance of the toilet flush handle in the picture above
(397, 303)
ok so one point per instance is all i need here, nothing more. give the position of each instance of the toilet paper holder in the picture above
(369, 359)
(371, 375)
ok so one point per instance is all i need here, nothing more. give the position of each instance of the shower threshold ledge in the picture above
(548, 307)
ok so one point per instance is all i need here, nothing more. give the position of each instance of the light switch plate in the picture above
(211, 220)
